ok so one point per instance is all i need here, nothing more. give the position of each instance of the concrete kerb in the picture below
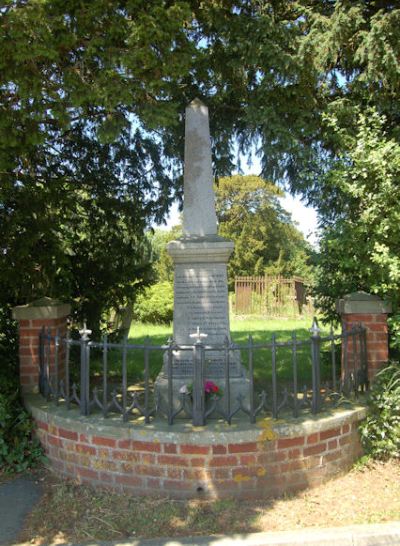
(384, 534)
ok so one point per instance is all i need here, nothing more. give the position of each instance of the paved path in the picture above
(17, 498)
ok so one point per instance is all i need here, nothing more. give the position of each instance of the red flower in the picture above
(211, 388)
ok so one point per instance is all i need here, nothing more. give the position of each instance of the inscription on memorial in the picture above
(200, 300)
(214, 365)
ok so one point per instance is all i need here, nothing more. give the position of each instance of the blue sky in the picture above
(305, 217)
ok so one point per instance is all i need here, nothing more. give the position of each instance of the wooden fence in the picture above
(272, 296)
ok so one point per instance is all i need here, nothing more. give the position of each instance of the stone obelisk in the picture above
(200, 264)
(199, 217)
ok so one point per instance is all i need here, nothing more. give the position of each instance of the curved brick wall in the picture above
(216, 461)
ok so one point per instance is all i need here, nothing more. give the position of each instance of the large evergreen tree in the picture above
(266, 240)
(342, 56)
(360, 245)
(80, 80)
(91, 96)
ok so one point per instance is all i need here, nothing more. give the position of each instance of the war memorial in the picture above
(169, 439)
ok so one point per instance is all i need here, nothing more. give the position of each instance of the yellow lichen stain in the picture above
(268, 434)
(241, 478)
(102, 465)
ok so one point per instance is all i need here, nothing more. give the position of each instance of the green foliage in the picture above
(360, 245)
(266, 241)
(76, 231)
(155, 304)
(8, 350)
(380, 432)
(162, 262)
(82, 165)
(18, 449)
(91, 138)
(394, 329)
(343, 56)
(362, 463)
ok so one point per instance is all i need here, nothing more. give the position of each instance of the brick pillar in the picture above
(371, 312)
(31, 318)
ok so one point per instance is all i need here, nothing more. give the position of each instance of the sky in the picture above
(304, 217)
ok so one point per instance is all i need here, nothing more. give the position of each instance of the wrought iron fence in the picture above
(338, 369)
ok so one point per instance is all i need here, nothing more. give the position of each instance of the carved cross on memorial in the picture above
(198, 336)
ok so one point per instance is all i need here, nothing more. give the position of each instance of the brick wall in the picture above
(31, 319)
(264, 464)
(29, 331)
(377, 339)
(371, 312)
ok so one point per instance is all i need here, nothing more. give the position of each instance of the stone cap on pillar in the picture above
(43, 308)
(362, 303)
(208, 249)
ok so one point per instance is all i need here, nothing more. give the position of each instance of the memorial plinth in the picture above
(200, 288)
(200, 260)
(201, 301)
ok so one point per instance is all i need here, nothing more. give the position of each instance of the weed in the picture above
(380, 432)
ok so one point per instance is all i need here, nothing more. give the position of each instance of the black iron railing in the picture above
(337, 369)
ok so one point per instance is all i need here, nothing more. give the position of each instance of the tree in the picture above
(75, 229)
(271, 72)
(360, 246)
(162, 262)
(117, 74)
(91, 140)
(342, 57)
(81, 178)
(112, 63)
(346, 69)
(250, 214)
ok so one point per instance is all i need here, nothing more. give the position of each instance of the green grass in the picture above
(261, 331)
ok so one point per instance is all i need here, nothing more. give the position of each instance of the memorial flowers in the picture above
(210, 389)
(185, 389)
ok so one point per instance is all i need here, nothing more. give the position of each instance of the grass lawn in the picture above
(261, 331)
